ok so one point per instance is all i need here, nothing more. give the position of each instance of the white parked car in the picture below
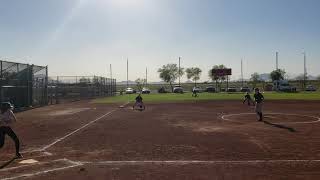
(145, 91)
(130, 91)
(177, 89)
(197, 90)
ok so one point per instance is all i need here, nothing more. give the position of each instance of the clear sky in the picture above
(82, 37)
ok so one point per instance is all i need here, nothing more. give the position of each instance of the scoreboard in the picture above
(221, 72)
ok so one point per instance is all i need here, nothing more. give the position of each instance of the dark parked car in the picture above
(232, 89)
(211, 89)
(245, 89)
(310, 88)
(162, 90)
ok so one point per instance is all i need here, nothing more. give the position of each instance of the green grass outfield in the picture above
(158, 98)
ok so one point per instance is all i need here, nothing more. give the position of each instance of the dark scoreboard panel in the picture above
(221, 72)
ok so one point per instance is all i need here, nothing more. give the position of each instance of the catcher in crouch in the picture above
(139, 102)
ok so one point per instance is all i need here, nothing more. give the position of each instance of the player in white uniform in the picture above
(7, 118)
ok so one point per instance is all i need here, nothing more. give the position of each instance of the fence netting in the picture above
(24, 85)
(73, 88)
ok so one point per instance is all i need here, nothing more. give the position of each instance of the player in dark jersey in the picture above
(194, 93)
(139, 99)
(258, 97)
(247, 98)
(139, 103)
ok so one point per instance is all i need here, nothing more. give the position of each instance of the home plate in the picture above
(121, 106)
(28, 161)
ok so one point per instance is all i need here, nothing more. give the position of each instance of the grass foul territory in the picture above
(170, 97)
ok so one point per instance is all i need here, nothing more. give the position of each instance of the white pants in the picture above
(258, 107)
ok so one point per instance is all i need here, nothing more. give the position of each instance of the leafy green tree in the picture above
(301, 79)
(96, 80)
(255, 78)
(170, 73)
(139, 83)
(277, 75)
(194, 73)
(217, 79)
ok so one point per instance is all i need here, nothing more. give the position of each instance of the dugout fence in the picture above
(73, 88)
(23, 85)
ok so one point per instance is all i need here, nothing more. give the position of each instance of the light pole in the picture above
(146, 76)
(304, 70)
(277, 61)
(241, 72)
(127, 72)
(179, 72)
(110, 71)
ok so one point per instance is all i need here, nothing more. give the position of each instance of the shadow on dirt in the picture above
(279, 126)
(7, 163)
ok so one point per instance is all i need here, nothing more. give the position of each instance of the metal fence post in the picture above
(28, 85)
(46, 88)
(31, 78)
(1, 94)
(115, 87)
(57, 91)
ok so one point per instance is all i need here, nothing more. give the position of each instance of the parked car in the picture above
(197, 90)
(145, 91)
(162, 90)
(211, 89)
(130, 91)
(232, 89)
(177, 89)
(245, 89)
(284, 86)
(310, 88)
(268, 87)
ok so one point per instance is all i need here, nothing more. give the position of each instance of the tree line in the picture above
(169, 73)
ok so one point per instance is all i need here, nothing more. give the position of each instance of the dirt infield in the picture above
(195, 140)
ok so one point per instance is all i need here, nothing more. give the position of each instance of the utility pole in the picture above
(241, 72)
(127, 72)
(179, 71)
(146, 76)
(304, 69)
(110, 71)
(277, 62)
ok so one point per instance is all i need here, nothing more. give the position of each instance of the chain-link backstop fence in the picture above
(73, 88)
(23, 85)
